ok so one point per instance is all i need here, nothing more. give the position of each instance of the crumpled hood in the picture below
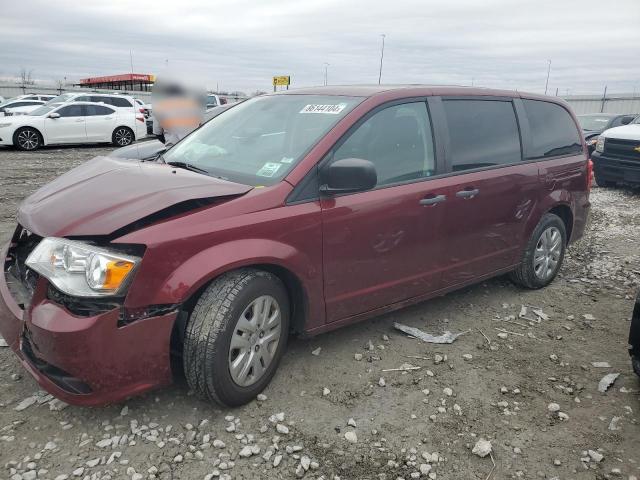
(625, 132)
(106, 194)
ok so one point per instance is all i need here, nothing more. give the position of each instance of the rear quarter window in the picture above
(120, 102)
(553, 131)
(482, 133)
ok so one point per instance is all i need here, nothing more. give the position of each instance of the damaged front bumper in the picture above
(85, 359)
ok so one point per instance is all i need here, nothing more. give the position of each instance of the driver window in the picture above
(397, 140)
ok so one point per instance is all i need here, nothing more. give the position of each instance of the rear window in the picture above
(483, 133)
(120, 102)
(553, 131)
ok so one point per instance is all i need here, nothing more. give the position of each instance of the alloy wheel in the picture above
(255, 340)
(123, 137)
(28, 140)
(547, 254)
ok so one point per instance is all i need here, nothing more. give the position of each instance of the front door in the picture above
(68, 127)
(493, 192)
(384, 245)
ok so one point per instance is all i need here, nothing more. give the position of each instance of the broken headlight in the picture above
(80, 269)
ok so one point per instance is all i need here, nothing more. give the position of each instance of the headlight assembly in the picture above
(600, 144)
(80, 269)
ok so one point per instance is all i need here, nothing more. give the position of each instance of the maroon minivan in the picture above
(296, 212)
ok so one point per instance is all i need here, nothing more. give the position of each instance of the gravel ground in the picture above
(532, 392)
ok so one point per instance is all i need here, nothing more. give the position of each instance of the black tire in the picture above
(635, 361)
(602, 183)
(122, 137)
(212, 324)
(27, 139)
(525, 275)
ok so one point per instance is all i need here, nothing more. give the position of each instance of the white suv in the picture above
(116, 101)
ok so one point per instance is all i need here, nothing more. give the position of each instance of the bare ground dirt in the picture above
(409, 428)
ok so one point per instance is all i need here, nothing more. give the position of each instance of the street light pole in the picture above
(325, 73)
(381, 58)
(546, 85)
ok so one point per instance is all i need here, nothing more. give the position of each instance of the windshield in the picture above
(636, 121)
(593, 122)
(43, 110)
(61, 98)
(260, 140)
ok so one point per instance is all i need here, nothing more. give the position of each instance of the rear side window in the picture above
(553, 131)
(483, 133)
(397, 140)
(71, 111)
(120, 102)
(95, 110)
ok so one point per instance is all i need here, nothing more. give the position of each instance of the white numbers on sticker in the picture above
(330, 109)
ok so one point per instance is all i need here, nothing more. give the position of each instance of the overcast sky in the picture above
(241, 44)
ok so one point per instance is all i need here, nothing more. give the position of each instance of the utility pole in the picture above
(381, 58)
(604, 99)
(546, 85)
(325, 73)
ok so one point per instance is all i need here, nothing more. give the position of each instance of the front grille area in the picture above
(624, 149)
(21, 280)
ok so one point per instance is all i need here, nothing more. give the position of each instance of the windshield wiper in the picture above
(188, 166)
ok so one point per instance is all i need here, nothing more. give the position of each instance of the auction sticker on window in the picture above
(334, 109)
(269, 169)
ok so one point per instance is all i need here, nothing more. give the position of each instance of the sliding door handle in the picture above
(467, 193)
(433, 200)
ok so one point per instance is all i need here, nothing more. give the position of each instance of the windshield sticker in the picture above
(269, 169)
(286, 160)
(329, 109)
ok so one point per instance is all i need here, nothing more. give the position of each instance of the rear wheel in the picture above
(122, 136)
(236, 336)
(543, 255)
(27, 139)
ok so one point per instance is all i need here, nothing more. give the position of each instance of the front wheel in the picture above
(543, 255)
(122, 136)
(236, 336)
(27, 139)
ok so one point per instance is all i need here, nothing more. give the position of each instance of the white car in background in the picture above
(77, 122)
(120, 102)
(6, 108)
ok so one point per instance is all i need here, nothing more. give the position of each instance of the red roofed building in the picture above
(128, 81)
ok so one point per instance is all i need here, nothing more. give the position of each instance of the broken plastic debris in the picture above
(607, 381)
(601, 364)
(446, 337)
(3, 342)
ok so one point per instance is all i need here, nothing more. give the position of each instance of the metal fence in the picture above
(612, 103)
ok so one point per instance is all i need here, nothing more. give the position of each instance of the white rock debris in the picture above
(482, 448)
(351, 436)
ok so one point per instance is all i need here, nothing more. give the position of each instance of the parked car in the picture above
(25, 110)
(214, 100)
(634, 337)
(144, 108)
(78, 122)
(291, 212)
(34, 96)
(117, 101)
(615, 159)
(593, 124)
(7, 107)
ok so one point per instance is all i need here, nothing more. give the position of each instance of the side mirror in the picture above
(54, 115)
(348, 175)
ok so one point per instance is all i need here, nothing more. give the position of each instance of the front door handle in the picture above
(433, 200)
(467, 193)
(80, 120)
